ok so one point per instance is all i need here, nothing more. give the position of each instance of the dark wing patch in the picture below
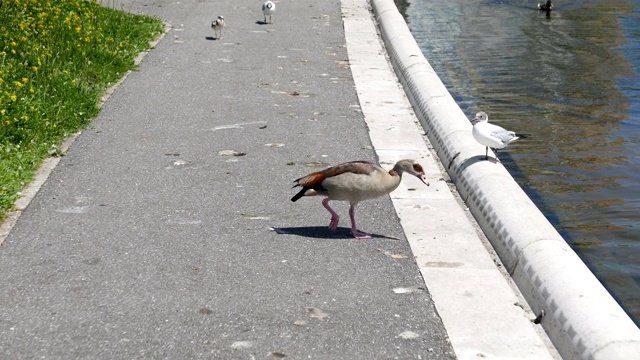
(311, 180)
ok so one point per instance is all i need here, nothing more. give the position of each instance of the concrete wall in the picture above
(581, 317)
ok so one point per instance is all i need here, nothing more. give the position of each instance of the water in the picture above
(571, 79)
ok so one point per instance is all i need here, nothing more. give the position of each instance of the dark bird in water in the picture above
(548, 6)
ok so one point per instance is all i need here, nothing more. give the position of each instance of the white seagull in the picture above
(217, 26)
(268, 8)
(492, 136)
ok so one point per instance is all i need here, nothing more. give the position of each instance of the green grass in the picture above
(57, 57)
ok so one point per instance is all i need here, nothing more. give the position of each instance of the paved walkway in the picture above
(153, 237)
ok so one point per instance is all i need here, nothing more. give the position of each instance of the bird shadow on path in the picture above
(260, 22)
(211, 38)
(322, 232)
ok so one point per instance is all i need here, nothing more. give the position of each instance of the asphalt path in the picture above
(153, 238)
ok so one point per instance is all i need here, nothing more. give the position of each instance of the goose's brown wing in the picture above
(316, 178)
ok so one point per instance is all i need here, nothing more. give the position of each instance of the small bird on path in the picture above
(268, 8)
(492, 136)
(217, 26)
(354, 182)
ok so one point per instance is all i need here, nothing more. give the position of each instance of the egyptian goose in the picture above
(354, 182)
(492, 136)
(268, 8)
(548, 6)
(217, 26)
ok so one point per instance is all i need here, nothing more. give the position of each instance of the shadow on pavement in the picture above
(322, 232)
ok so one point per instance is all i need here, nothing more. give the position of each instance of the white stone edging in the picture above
(580, 316)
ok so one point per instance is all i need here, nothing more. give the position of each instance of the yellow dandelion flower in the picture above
(78, 28)
(13, 97)
(34, 68)
(18, 84)
(1, 81)
(2, 112)
(25, 80)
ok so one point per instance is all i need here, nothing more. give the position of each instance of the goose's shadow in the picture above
(261, 22)
(322, 232)
(212, 38)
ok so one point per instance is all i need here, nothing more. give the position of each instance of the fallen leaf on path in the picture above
(317, 313)
(205, 311)
(231, 153)
(408, 335)
(241, 345)
(407, 290)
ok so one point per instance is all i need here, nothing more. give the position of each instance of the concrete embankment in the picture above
(579, 315)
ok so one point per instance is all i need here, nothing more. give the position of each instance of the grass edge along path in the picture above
(57, 60)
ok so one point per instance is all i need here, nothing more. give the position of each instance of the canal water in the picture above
(570, 78)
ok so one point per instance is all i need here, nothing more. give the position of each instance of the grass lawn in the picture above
(57, 57)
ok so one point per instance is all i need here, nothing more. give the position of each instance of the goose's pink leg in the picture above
(333, 224)
(356, 234)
